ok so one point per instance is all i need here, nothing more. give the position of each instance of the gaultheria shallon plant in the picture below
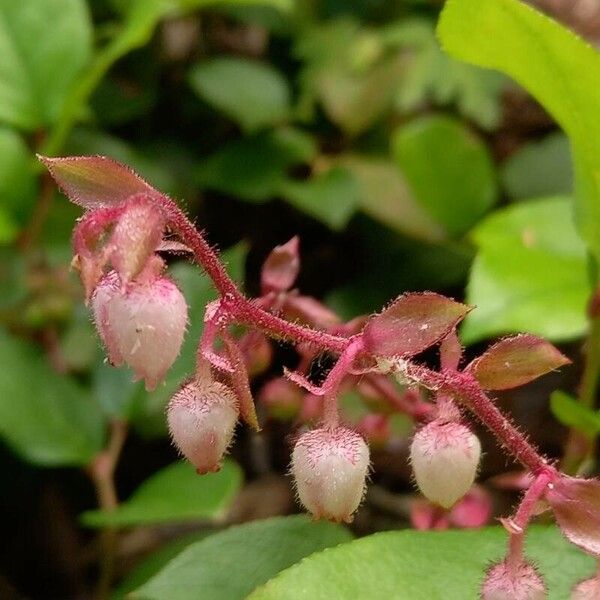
(141, 318)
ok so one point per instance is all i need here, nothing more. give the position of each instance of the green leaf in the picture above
(449, 170)
(432, 76)
(230, 564)
(147, 409)
(154, 563)
(559, 69)
(530, 274)
(253, 94)
(18, 186)
(44, 46)
(539, 169)
(45, 417)
(385, 196)
(420, 565)
(331, 197)
(175, 493)
(255, 167)
(572, 413)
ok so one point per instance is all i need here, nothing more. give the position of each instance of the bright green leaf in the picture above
(255, 167)
(420, 565)
(44, 46)
(154, 563)
(539, 169)
(18, 186)
(572, 413)
(449, 170)
(253, 94)
(559, 69)
(230, 564)
(45, 417)
(175, 493)
(530, 273)
(330, 197)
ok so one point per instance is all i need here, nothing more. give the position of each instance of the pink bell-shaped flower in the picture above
(444, 457)
(108, 287)
(202, 418)
(330, 467)
(146, 325)
(513, 582)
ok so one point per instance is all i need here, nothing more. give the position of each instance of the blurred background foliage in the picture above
(343, 122)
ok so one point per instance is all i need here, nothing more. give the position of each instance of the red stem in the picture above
(462, 386)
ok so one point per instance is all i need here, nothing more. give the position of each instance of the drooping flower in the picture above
(202, 417)
(513, 582)
(330, 466)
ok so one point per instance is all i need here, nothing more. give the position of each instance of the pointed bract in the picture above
(96, 181)
(576, 506)
(412, 323)
(444, 458)
(281, 268)
(515, 361)
(330, 467)
(202, 418)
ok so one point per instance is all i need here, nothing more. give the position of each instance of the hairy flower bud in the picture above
(107, 288)
(330, 466)
(589, 589)
(202, 418)
(513, 582)
(137, 234)
(147, 324)
(444, 457)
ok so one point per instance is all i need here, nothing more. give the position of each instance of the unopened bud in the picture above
(147, 324)
(202, 418)
(330, 466)
(513, 582)
(137, 235)
(444, 458)
(105, 291)
(589, 589)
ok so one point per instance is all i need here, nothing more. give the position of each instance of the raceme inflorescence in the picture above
(141, 318)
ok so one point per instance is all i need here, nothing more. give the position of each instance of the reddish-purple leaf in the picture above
(515, 361)
(96, 181)
(412, 323)
(281, 267)
(576, 506)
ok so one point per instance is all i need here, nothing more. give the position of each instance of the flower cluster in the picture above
(141, 317)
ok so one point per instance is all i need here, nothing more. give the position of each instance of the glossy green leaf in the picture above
(539, 169)
(18, 186)
(175, 493)
(331, 197)
(572, 413)
(559, 69)
(44, 46)
(530, 273)
(255, 167)
(155, 562)
(420, 565)
(230, 564)
(448, 169)
(45, 417)
(253, 94)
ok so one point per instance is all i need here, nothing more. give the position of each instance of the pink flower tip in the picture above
(202, 416)
(506, 581)
(330, 467)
